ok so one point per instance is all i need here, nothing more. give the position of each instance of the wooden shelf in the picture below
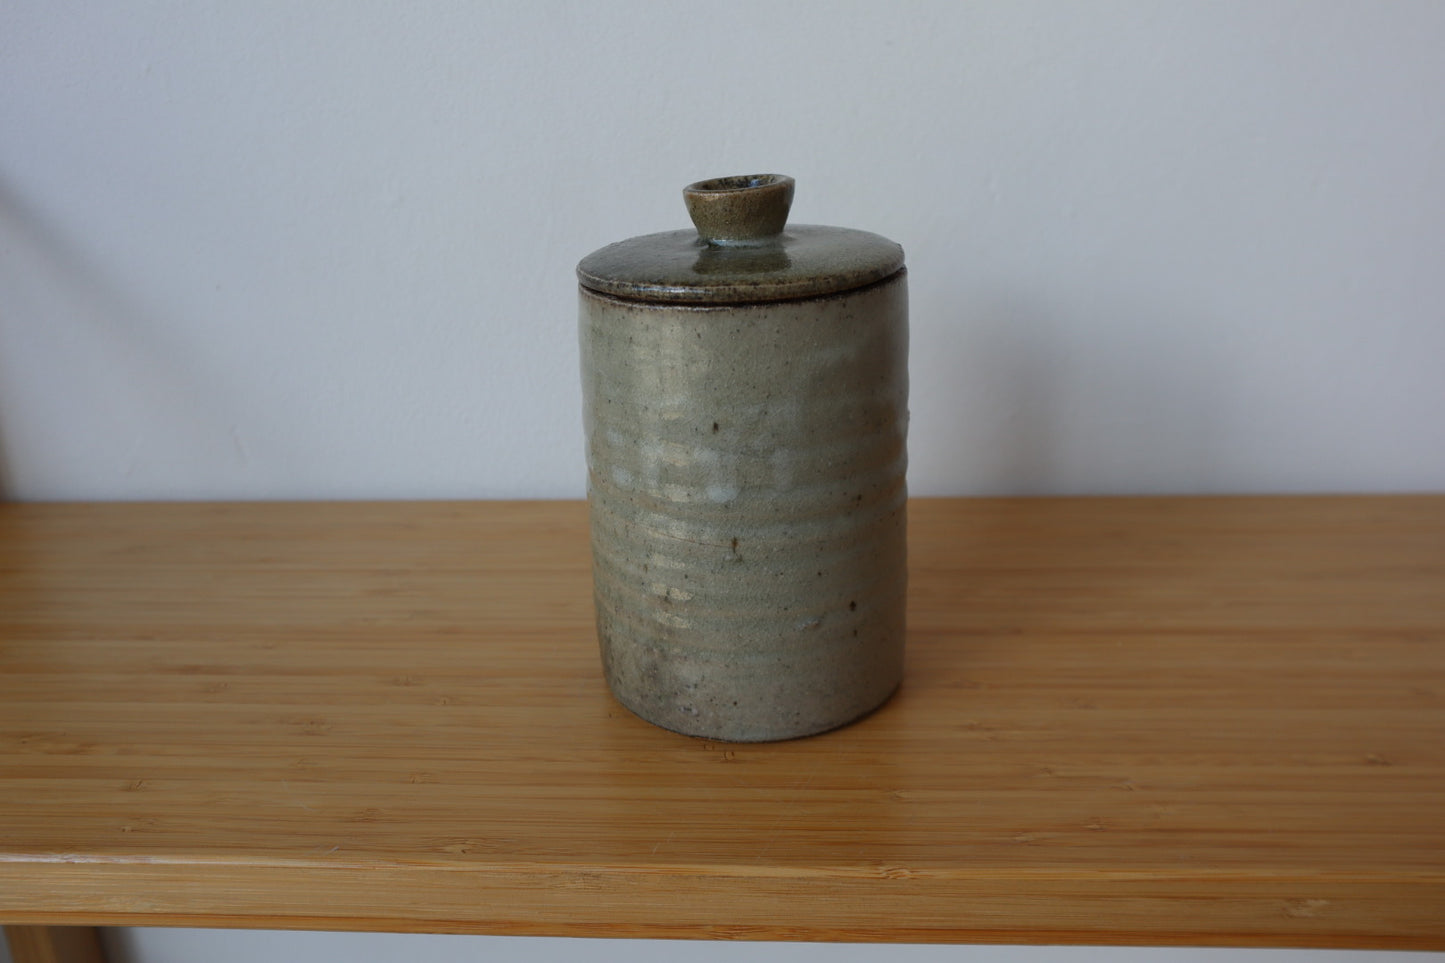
(1166, 721)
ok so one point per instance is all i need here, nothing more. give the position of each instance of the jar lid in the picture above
(742, 250)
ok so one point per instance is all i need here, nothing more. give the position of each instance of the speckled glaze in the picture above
(746, 478)
(758, 257)
(739, 210)
(679, 267)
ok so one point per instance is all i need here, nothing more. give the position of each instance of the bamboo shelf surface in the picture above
(1125, 720)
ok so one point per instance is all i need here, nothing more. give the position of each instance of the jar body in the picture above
(746, 480)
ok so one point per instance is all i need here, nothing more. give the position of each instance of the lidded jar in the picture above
(745, 391)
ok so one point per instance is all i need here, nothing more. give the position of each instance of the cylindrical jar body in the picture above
(746, 478)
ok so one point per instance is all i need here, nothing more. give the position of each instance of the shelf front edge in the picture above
(682, 903)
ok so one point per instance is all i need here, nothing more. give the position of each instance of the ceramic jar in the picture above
(745, 390)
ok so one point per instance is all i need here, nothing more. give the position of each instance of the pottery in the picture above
(745, 390)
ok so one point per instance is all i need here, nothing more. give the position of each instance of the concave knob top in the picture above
(748, 208)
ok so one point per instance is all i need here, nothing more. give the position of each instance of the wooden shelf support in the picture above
(54, 944)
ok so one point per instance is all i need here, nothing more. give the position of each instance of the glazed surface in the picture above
(679, 266)
(746, 478)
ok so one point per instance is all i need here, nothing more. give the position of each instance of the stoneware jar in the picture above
(746, 408)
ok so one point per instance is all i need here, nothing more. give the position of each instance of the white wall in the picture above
(218, 946)
(322, 250)
(325, 249)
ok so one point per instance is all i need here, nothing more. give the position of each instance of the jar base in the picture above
(751, 732)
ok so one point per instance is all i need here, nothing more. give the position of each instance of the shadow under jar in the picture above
(745, 390)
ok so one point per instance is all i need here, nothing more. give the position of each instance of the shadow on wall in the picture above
(85, 367)
(9, 321)
(1044, 400)
(7, 484)
(119, 945)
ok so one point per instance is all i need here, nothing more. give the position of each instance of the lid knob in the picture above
(740, 210)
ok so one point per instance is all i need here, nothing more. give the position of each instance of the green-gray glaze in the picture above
(742, 250)
(678, 266)
(746, 478)
(739, 210)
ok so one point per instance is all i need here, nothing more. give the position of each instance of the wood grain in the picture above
(1164, 721)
